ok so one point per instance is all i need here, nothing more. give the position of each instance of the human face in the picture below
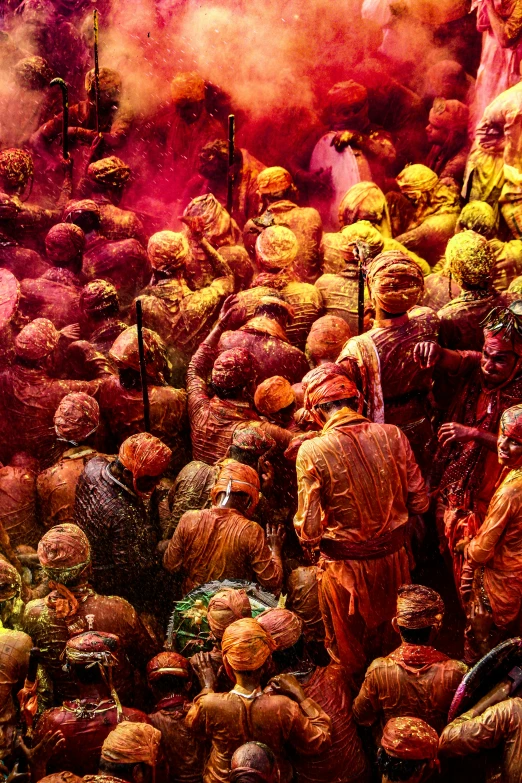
(145, 484)
(509, 451)
(211, 165)
(190, 112)
(436, 135)
(497, 366)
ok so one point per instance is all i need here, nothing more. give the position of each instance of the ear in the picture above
(395, 625)
(137, 774)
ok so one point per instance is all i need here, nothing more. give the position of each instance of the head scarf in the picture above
(167, 250)
(10, 581)
(273, 394)
(92, 647)
(187, 87)
(205, 214)
(276, 247)
(511, 423)
(33, 73)
(9, 296)
(111, 171)
(233, 369)
(144, 455)
(410, 738)
(109, 81)
(284, 627)
(167, 663)
(477, 216)
(417, 179)
(77, 416)
(273, 180)
(37, 340)
(246, 645)
(252, 439)
(16, 167)
(236, 477)
(503, 328)
(470, 258)
(418, 607)
(348, 95)
(132, 743)
(365, 232)
(326, 338)
(254, 761)
(303, 599)
(64, 241)
(225, 607)
(98, 296)
(365, 201)
(64, 546)
(78, 207)
(451, 115)
(125, 353)
(395, 281)
(327, 383)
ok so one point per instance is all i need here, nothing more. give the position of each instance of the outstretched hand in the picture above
(232, 315)
(275, 536)
(452, 432)
(427, 354)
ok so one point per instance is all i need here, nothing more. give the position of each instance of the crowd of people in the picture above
(261, 441)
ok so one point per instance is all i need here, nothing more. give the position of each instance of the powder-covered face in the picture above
(497, 366)
(509, 451)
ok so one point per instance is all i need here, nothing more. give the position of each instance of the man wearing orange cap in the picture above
(325, 339)
(100, 311)
(110, 510)
(408, 752)
(129, 753)
(222, 542)
(286, 720)
(358, 484)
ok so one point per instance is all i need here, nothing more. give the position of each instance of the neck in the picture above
(249, 681)
(95, 691)
(383, 315)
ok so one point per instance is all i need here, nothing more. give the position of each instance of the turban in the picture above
(395, 281)
(205, 214)
(187, 88)
(111, 171)
(273, 394)
(477, 216)
(246, 645)
(363, 201)
(326, 338)
(110, 80)
(92, 647)
(347, 95)
(64, 241)
(418, 607)
(16, 167)
(276, 247)
(470, 258)
(410, 738)
(274, 303)
(61, 777)
(236, 477)
(10, 581)
(327, 383)
(364, 231)
(233, 369)
(132, 743)
(144, 455)
(303, 598)
(503, 328)
(253, 761)
(33, 73)
(273, 180)
(77, 416)
(78, 207)
(511, 423)
(225, 607)
(167, 250)
(252, 439)
(9, 296)
(125, 353)
(284, 627)
(98, 296)
(452, 115)
(416, 179)
(167, 663)
(64, 546)
(37, 340)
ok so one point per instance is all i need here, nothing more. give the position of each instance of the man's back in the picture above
(272, 352)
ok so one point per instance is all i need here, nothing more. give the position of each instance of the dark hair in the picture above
(168, 684)
(87, 221)
(291, 658)
(87, 675)
(416, 635)
(347, 402)
(227, 394)
(245, 456)
(116, 770)
(397, 769)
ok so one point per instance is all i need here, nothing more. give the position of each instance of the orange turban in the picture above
(10, 581)
(246, 645)
(144, 455)
(16, 167)
(125, 353)
(347, 95)
(284, 627)
(363, 201)
(273, 180)
(111, 171)
(327, 383)
(167, 663)
(225, 607)
(449, 114)
(511, 423)
(326, 338)
(167, 250)
(132, 743)
(276, 247)
(64, 546)
(410, 738)
(252, 439)
(92, 646)
(33, 73)
(233, 369)
(37, 340)
(395, 281)
(109, 80)
(236, 477)
(64, 241)
(273, 394)
(207, 215)
(77, 416)
(418, 607)
(187, 87)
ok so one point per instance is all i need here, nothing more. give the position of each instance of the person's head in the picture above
(276, 248)
(286, 629)
(233, 374)
(76, 417)
(99, 300)
(501, 359)
(109, 175)
(205, 215)
(168, 674)
(10, 583)
(144, 459)
(125, 354)
(84, 213)
(275, 308)
(328, 389)
(365, 232)
(470, 260)
(253, 762)
(188, 96)
(36, 341)
(237, 487)
(90, 655)
(33, 73)
(274, 184)
(275, 398)
(249, 444)
(110, 84)
(395, 282)
(446, 79)
(325, 339)
(373, 75)
(303, 599)
(168, 253)
(64, 553)
(408, 751)
(64, 245)
(417, 182)
(213, 160)
(246, 647)
(477, 216)
(420, 611)
(225, 607)
(347, 106)
(509, 443)
(365, 201)
(16, 171)
(448, 122)
(130, 752)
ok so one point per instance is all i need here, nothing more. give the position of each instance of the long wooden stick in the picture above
(96, 70)
(65, 103)
(231, 155)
